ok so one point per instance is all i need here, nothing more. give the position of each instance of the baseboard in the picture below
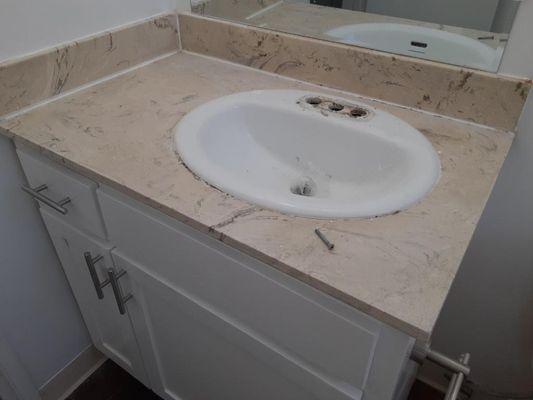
(72, 375)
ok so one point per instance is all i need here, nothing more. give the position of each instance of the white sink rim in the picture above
(188, 133)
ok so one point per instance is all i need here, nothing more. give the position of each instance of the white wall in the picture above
(15, 382)
(489, 311)
(518, 56)
(27, 26)
(475, 14)
(38, 315)
(505, 16)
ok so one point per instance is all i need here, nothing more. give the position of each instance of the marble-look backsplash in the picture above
(31, 79)
(471, 95)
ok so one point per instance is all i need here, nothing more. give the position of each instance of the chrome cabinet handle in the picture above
(460, 368)
(37, 195)
(98, 286)
(457, 380)
(121, 300)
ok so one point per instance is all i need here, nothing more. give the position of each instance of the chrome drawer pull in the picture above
(37, 195)
(98, 286)
(121, 300)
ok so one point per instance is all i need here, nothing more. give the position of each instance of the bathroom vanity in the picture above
(192, 318)
(202, 295)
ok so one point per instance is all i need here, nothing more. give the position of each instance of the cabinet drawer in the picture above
(82, 210)
(325, 336)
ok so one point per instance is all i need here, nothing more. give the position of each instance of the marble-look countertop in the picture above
(397, 268)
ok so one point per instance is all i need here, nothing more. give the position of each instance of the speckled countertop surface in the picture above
(397, 268)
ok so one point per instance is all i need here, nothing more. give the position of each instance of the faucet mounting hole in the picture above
(336, 107)
(358, 112)
(313, 101)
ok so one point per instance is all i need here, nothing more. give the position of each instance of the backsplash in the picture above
(471, 95)
(37, 77)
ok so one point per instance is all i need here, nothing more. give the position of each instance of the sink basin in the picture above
(307, 154)
(422, 42)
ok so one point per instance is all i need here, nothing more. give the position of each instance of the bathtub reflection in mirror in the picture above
(469, 33)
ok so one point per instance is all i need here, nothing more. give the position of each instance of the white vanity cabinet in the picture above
(193, 318)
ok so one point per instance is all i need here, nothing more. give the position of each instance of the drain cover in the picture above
(304, 187)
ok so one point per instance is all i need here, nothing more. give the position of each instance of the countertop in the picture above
(397, 268)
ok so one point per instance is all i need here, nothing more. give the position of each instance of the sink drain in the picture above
(304, 187)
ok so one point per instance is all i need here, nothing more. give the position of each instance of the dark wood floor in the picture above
(110, 382)
(421, 391)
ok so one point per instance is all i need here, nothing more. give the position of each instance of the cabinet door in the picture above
(331, 340)
(194, 352)
(111, 332)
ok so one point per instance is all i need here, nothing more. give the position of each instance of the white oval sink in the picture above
(274, 149)
(419, 41)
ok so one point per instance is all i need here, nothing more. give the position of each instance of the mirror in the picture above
(469, 33)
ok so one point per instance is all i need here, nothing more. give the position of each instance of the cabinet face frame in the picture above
(111, 333)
